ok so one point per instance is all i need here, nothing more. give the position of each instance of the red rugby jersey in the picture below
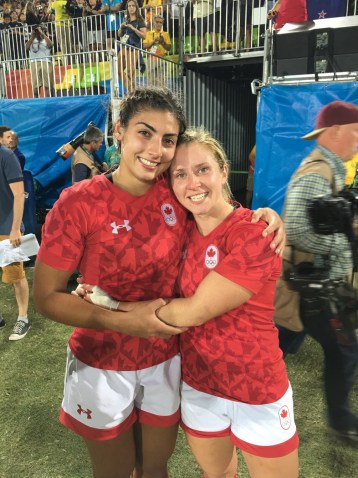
(236, 355)
(129, 246)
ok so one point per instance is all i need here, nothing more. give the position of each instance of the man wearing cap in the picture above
(336, 133)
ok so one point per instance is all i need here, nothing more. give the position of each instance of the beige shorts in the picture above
(41, 74)
(102, 404)
(13, 272)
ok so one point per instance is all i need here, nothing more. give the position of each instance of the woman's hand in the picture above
(274, 10)
(275, 224)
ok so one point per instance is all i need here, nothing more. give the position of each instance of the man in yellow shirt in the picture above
(63, 26)
(158, 43)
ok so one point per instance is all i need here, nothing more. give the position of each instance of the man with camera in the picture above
(322, 173)
(85, 162)
(39, 47)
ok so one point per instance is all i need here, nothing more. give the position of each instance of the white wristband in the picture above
(101, 298)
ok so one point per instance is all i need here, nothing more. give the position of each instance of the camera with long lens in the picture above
(308, 279)
(69, 148)
(334, 214)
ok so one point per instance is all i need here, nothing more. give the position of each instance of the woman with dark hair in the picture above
(124, 231)
(235, 392)
(31, 14)
(131, 33)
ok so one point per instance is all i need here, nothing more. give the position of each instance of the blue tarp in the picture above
(286, 113)
(43, 126)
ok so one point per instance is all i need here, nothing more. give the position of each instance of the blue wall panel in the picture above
(45, 124)
(286, 113)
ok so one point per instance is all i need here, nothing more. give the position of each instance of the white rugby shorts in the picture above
(266, 430)
(102, 404)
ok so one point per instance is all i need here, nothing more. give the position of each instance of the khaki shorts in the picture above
(41, 74)
(13, 272)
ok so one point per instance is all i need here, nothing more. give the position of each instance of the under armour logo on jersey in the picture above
(81, 410)
(169, 214)
(211, 257)
(121, 226)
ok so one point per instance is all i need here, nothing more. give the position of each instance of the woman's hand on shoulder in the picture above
(275, 224)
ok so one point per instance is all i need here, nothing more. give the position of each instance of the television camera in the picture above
(69, 148)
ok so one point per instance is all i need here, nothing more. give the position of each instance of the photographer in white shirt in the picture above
(39, 47)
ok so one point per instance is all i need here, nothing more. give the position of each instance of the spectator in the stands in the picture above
(6, 21)
(245, 22)
(76, 8)
(39, 47)
(22, 18)
(31, 14)
(151, 8)
(114, 19)
(131, 34)
(85, 162)
(95, 25)
(49, 21)
(17, 39)
(63, 27)
(203, 15)
(285, 11)
(158, 43)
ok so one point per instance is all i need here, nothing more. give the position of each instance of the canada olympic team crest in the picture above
(169, 214)
(211, 257)
(285, 419)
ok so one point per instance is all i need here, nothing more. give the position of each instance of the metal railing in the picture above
(85, 60)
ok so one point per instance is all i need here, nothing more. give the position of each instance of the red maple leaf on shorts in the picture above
(284, 413)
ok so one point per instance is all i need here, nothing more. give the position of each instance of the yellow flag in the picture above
(351, 167)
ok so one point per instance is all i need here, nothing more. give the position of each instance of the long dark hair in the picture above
(152, 98)
(138, 14)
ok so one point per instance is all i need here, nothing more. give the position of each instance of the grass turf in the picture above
(33, 444)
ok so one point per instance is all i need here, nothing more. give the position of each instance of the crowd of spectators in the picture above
(77, 30)
(92, 25)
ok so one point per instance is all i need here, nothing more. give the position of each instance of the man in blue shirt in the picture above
(12, 198)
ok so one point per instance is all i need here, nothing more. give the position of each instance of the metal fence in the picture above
(85, 57)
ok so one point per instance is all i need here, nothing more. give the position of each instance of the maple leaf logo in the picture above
(168, 210)
(284, 413)
(211, 253)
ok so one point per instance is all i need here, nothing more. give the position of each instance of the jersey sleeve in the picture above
(250, 262)
(64, 232)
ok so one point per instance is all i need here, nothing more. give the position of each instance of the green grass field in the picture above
(34, 444)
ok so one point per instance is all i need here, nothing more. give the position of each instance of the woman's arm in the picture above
(140, 32)
(214, 296)
(52, 301)
(274, 10)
